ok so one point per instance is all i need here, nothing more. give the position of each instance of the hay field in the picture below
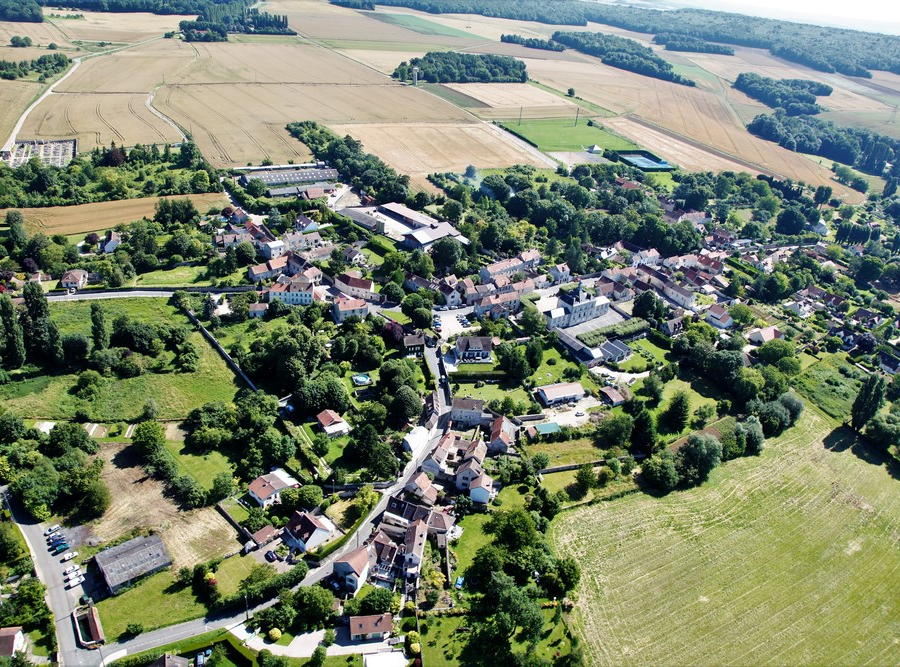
(139, 501)
(786, 559)
(97, 120)
(101, 216)
(16, 96)
(137, 70)
(506, 100)
(230, 134)
(383, 60)
(112, 27)
(419, 149)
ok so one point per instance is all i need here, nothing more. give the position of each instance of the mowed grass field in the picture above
(789, 558)
(44, 396)
(562, 134)
(101, 216)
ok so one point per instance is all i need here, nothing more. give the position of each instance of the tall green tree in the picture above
(14, 341)
(868, 401)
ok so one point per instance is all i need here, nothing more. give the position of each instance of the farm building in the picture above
(561, 392)
(276, 177)
(122, 564)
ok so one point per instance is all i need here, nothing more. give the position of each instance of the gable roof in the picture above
(366, 625)
(357, 560)
(8, 640)
(302, 525)
(127, 561)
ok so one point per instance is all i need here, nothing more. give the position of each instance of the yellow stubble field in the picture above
(113, 27)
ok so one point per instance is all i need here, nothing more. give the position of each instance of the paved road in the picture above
(49, 571)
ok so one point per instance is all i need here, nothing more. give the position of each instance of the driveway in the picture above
(567, 416)
(450, 324)
(302, 646)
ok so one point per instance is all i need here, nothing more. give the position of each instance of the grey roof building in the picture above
(122, 564)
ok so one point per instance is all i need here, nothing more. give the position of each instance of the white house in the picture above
(473, 348)
(344, 308)
(575, 307)
(111, 242)
(12, 641)
(799, 308)
(760, 336)
(307, 531)
(718, 316)
(351, 284)
(353, 569)
(561, 273)
(414, 544)
(416, 440)
(298, 292)
(266, 489)
(561, 392)
(76, 278)
(273, 249)
(332, 423)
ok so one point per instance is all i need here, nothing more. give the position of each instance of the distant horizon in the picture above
(830, 13)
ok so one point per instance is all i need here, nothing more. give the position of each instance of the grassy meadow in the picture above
(782, 558)
(561, 134)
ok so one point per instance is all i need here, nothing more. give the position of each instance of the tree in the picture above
(649, 307)
(406, 404)
(488, 559)
(773, 417)
(148, 437)
(884, 429)
(755, 440)
(393, 292)
(773, 350)
(793, 404)
(512, 529)
(99, 327)
(614, 431)
(741, 314)
(310, 496)
(678, 412)
(446, 252)
(585, 478)
(868, 269)
(320, 654)
(222, 487)
(653, 388)
(868, 401)
(790, 221)
(95, 500)
(697, 458)
(13, 345)
(314, 606)
(531, 321)
(378, 601)
(659, 471)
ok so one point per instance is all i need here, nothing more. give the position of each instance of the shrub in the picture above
(274, 634)
(134, 629)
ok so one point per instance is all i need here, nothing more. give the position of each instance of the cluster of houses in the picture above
(414, 229)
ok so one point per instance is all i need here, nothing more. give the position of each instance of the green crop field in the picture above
(420, 25)
(789, 558)
(559, 134)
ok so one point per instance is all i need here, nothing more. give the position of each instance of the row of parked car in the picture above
(58, 543)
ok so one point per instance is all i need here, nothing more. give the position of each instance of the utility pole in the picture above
(520, 115)
(577, 110)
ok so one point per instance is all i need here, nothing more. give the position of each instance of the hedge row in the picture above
(659, 338)
(266, 590)
(470, 376)
(517, 134)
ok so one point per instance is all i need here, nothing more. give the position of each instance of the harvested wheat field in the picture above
(137, 70)
(100, 216)
(230, 134)
(506, 100)
(230, 63)
(97, 120)
(138, 501)
(16, 96)
(114, 27)
(788, 558)
(693, 114)
(41, 34)
(419, 149)
(383, 61)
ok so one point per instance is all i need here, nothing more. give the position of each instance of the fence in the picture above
(221, 350)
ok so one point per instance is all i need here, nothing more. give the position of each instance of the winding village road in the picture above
(62, 601)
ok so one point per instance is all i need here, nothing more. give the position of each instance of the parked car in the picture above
(69, 556)
(75, 583)
(59, 548)
(73, 575)
(56, 539)
(579, 414)
(270, 556)
(70, 569)
(52, 529)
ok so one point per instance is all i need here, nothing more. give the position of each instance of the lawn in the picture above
(658, 353)
(472, 539)
(237, 511)
(568, 452)
(232, 571)
(236, 654)
(193, 276)
(155, 602)
(561, 134)
(777, 559)
(202, 467)
(489, 392)
(335, 445)
(701, 392)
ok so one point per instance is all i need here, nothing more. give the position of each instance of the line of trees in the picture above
(168, 7)
(678, 42)
(451, 67)
(796, 96)
(533, 42)
(851, 52)
(623, 53)
(862, 148)
(47, 66)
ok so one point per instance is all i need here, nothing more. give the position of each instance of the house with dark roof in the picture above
(614, 350)
(473, 348)
(466, 411)
(352, 569)
(138, 557)
(888, 363)
(364, 628)
(414, 344)
(306, 531)
(12, 641)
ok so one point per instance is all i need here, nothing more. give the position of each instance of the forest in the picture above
(864, 149)
(796, 96)
(21, 11)
(676, 42)
(623, 53)
(533, 42)
(448, 67)
(47, 66)
(851, 52)
(166, 7)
